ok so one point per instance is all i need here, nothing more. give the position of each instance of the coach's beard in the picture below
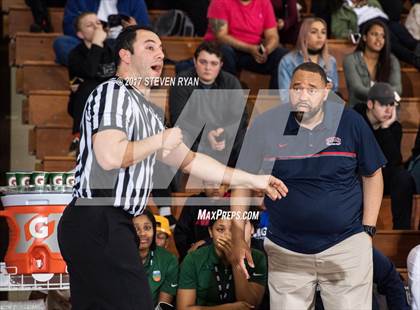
(304, 116)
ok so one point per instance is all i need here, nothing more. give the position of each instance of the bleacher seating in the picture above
(7, 4)
(50, 140)
(28, 77)
(396, 244)
(385, 214)
(48, 108)
(58, 163)
(20, 17)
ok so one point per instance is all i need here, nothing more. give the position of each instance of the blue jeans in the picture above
(63, 45)
(234, 60)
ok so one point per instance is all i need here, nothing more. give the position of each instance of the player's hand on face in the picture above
(225, 245)
(391, 120)
(272, 187)
(99, 36)
(212, 137)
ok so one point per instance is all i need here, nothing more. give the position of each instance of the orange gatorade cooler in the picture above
(33, 221)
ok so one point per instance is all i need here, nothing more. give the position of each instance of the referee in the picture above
(121, 137)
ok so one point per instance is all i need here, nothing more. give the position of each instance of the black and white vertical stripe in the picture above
(113, 105)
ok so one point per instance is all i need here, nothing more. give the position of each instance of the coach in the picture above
(320, 234)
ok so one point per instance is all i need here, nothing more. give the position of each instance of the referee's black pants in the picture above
(100, 247)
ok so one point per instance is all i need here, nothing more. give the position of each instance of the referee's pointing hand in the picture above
(272, 187)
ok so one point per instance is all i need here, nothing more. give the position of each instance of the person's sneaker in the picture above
(35, 28)
(74, 147)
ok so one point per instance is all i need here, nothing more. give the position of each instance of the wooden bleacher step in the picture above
(385, 214)
(58, 163)
(49, 141)
(20, 18)
(48, 76)
(6, 4)
(32, 46)
(39, 46)
(396, 244)
(48, 108)
(41, 75)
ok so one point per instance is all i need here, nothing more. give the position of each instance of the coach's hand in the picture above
(272, 187)
(171, 139)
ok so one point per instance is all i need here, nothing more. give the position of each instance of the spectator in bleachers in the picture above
(413, 269)
(412, 23)
(197, 11)
(286, 13)
(380, 113)
(371, 62)
(349, 20)
(217, 102)
(207, 277)
(324, 9)
(311, 46)
(414, 164)
(160, 4)
(163, 231)
(39, 9)
(130, 12)
(90, 63)
(191, 232)
(160, 265)
(248, 31)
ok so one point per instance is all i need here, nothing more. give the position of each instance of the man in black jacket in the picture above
(216, 101)
(90, 64)
(381, 115)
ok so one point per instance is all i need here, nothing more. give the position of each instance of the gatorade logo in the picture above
(12, 182)
(70, 181)
(39, 180)
(38, 227)
(58, 180)
(25, 181)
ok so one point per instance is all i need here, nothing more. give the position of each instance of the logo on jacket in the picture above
(333, 141)
(156, 275)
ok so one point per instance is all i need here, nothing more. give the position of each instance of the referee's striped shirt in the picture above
(115, 105)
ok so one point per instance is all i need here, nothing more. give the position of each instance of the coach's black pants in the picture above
(100, 247)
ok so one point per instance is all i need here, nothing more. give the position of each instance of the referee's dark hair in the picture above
(126, 39)
(152, 219)
(312, 67)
